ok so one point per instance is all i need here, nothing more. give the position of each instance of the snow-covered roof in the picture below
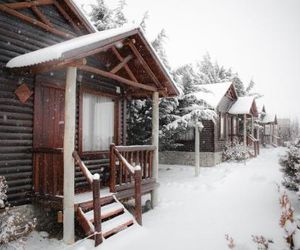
(58, 51)
(268, 118)
(86, 43)
(242, 105)
(212, 94)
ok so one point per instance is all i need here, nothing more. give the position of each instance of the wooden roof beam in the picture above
(27, 4)
(121, 64)
(117, 78)
(143, 62)
(34, 22)
(41, 16)
(66, 16)
(128, 70)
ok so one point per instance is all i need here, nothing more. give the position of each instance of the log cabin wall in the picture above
(16, 119)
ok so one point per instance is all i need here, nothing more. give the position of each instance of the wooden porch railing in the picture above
(94, 181)
(251, 141)
(128, 164)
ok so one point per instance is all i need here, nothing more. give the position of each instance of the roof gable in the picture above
(212, 94)
(127, 44)
(244, 105)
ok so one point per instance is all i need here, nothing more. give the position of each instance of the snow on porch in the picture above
(195, 213)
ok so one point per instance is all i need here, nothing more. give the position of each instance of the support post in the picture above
(69, 145)
(138, 195)
(97, 209)
(155, 128)
(271, 133)
(197, 150)
(245, 130)
(252, 125)
(112, 180)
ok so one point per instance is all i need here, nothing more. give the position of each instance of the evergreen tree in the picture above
(158, 45)
(239, 85)
(105, 18)
(139, 122)
(291, 168)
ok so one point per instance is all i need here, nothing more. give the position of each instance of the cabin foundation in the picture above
(207, 159)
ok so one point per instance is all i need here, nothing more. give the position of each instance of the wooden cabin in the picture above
(269, 133)
(233, 112)
(213, 137)
(63, 95)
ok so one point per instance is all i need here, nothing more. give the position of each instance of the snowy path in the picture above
(196, 213)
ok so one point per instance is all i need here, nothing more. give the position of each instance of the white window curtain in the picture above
(234, 125)
(222, 126)
(98, 122)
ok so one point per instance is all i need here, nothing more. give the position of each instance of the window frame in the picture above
(116, 100)
(222, 116)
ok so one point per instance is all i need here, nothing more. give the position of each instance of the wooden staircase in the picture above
(114, 217)
(103, 216)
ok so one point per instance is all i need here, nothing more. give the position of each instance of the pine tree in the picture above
(239, 85)
(105, 18)
(290, 163)
(139, 121)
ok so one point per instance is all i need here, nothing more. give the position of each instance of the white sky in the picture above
(259, 39)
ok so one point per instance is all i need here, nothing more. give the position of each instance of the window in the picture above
(234, 125)
(222, 126)
(97, 122)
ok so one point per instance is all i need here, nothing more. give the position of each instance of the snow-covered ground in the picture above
(239, 199)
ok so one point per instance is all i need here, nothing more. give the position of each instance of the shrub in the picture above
(235, 151)
(12, 224)
(290, 163)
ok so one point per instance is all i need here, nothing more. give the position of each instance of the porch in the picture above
(81, 92)
(244, 128)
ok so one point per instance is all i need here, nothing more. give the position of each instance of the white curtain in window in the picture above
(98, 122)
(234, 125)
(222, 126)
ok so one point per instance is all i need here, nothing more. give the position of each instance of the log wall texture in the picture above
(16, 119)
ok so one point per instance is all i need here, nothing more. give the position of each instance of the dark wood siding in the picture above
(207, 143)
(16, 119)
(15, 137)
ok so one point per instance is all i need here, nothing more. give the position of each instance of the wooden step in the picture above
(107, 211)
(116, 224)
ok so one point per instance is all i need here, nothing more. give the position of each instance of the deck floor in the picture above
(88, 196)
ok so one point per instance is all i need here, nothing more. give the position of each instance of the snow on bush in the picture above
(262, 243)
(290, 163)
(230, 241)
(12, 224)
(288, 223)
(235, 151)
(3, 190)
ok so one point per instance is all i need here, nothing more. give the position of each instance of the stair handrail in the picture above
(86, 172)
(255, 143)
(94, 181)
(135, 171)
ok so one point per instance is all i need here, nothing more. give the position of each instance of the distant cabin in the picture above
(229, 126)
